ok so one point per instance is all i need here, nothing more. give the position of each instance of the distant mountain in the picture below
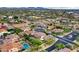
(25, 8)
(10, 9)
(36, 8)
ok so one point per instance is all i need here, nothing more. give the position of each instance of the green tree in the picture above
(77, 38)
(49, 41)
(5, 34)
(60, 46)
(32, 40)
(35, 41)
(15, 17)
(17, 30)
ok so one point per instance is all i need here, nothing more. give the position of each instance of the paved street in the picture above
(65, 40)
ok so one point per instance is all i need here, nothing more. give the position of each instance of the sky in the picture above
(39, 3)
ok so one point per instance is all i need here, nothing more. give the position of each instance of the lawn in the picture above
(32, 40)
(66, 30)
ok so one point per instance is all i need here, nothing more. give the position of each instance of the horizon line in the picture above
(45, 7)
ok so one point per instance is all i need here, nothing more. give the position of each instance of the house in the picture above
(11, 38)
(57, 30)
(48, 37)
(28, 32)
(16, 47)
(38, 34)
(62, 20)
(49, 33)
(34, 17)
(1, 39)
(6, 47)
(64, 50)
(11, 43)
(76, 27)
(39, 29)
(12, 47)
(40, 24)
(3, 17)
(14, 50)
(76, 15)
(51, 27)
(10, 17)
(3, 28)
(75, 50)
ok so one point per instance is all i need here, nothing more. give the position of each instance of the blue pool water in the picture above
(26, 46)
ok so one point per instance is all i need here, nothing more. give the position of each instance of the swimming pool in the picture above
(26, 46)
